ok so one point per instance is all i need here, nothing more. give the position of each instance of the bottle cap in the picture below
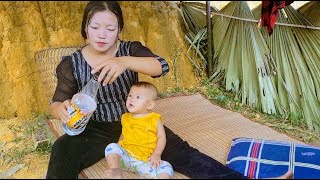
(96, 75)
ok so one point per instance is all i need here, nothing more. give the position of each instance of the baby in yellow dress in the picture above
(143, 138)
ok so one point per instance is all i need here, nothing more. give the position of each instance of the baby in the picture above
(143, 138)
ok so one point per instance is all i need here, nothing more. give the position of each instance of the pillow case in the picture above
(260, 158)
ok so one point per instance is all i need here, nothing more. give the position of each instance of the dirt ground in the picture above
(17, 147)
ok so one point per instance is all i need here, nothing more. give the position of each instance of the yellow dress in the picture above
(139, 135)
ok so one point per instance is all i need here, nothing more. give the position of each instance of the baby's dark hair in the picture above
(148, 85)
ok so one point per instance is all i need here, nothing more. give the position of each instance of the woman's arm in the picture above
(141, 60)
(138, 50)
(54, 109)
(145, 65)
(115, 66)
(66, 88)
(59, 110)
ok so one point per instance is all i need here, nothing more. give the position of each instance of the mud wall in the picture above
(30, 26)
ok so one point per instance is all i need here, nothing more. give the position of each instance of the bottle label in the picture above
(78, 118)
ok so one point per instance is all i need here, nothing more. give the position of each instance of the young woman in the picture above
(119, 63)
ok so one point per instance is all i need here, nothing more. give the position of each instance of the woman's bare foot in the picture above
(287, 175)
(114, 173)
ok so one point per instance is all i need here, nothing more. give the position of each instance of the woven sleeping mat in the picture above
(202, 124)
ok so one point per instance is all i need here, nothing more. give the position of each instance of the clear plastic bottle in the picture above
(83, 104)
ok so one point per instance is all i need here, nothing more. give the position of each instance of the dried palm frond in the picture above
(193, 14)
(193, 17)
(297, 65)
(285, 80)
(282, 45)
(242, 59)
(309, 44)
(311, 11)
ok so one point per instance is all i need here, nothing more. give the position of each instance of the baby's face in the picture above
(138, 100)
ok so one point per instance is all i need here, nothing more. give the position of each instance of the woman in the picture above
(119, 63)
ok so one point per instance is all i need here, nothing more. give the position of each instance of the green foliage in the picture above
(44, 149)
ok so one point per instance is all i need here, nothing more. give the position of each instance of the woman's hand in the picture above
(62, 111)
(110, 69)
(155, 160)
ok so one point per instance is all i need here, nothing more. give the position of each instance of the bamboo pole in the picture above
(256, 21)
(209, 34)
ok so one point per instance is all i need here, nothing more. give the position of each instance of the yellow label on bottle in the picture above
(77, 117)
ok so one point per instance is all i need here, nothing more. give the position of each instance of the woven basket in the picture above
(48, 60)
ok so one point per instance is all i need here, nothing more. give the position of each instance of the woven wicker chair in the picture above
(48, 60)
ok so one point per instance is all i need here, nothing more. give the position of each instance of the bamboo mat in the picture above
(203, 125)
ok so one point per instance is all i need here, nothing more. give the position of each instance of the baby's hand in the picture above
(155, 160)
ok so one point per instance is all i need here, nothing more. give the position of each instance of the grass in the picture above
(23, 143)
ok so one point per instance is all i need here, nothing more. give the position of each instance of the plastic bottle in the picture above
(83, 104)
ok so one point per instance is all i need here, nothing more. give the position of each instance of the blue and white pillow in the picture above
(259, 158)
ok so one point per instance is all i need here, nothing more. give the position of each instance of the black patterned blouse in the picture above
(74, 72)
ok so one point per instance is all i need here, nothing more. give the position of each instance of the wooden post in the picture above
(209, 35)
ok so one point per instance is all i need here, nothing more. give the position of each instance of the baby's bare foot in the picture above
(114, 173)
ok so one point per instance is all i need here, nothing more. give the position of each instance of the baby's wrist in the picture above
(157, 153)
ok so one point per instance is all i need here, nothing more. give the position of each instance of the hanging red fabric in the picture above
(270, 11)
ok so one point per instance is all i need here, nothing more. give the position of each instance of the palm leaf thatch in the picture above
(290, 65)
(242, 60)
(296, 79)
(311, 11)
(284, 80)
(193, 14)
(309, 44)
(309, 41)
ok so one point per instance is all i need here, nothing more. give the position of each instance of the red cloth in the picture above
(270, 11)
